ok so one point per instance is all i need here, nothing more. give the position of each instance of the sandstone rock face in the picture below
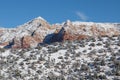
(39, 30)
(74, 37)
(16, 43)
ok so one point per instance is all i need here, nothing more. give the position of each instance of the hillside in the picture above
(88, 59)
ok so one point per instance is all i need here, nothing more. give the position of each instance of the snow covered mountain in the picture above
(76, 51)
(39, 30)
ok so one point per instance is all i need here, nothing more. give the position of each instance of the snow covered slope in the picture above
(88, 59)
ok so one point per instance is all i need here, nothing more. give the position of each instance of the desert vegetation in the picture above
(87, 59)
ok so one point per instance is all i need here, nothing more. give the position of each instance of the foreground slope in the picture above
(88, 59)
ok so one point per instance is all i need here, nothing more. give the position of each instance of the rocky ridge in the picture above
(39, 30)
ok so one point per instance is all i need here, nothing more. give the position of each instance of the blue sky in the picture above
(17, 12)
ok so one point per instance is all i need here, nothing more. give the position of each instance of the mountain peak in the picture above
(40, 18)
(37, 21)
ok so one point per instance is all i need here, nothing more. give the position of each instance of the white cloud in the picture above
(82, 16)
